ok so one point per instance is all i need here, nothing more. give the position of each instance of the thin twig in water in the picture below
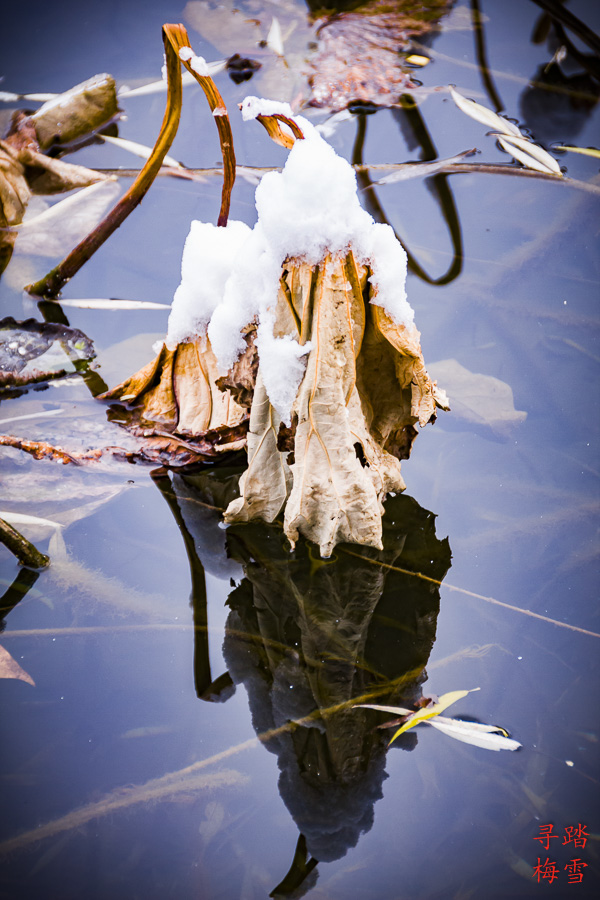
(181, 781)
(452, 587)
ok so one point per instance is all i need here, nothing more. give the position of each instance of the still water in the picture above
(154, 756)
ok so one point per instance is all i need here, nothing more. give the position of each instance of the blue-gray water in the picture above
(115, 658)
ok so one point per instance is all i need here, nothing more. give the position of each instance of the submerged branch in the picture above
(409, 169)
(24, 550)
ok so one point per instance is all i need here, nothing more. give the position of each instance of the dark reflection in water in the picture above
(563, 92)
(307, 638)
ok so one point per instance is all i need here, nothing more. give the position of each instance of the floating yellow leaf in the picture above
(429, 712)
(585, 151)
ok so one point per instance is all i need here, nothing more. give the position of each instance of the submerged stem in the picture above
(24, 550)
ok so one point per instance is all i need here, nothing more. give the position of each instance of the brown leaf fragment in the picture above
(153, 447)
(77, 112)
(39, 449)
(178, 389)
(47, 175)
(22, 133)
(14, 190)
(265, 484)
(333, 498)
(178, 392)
(358, 55)
(10, 668)
(241, 378)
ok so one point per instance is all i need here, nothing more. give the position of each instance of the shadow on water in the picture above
(308, 638)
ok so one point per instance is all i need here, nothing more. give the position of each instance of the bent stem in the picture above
(174, 38)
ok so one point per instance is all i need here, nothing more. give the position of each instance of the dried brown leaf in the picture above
(14, 190)
(265, 484)
(76, 113)
(358, 54)
(178, 389)
(333, 497)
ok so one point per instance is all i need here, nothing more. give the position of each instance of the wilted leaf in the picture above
(480, 400)
(34, 351)
(47, 175)
(484, 115)
(358, 52)
(266, 466)
(346, 419)
(72, 115)
(9, 668)
(178, 388)
(14, 190)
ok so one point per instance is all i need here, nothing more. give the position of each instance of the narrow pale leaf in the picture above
(490, 737)
(484, 115)
(14, 518)
(585, 151)
(485, 736)
(159, 87)
(274, 38)
(422, 715)
(10, 668)
(107, 303)
(9, 97)
(529, 154)
(46, 412)
(418, 170)
(140, 150)
(396, 710)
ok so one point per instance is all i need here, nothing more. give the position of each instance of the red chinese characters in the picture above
(549, 870)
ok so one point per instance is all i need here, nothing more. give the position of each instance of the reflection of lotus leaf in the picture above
(305, 636)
